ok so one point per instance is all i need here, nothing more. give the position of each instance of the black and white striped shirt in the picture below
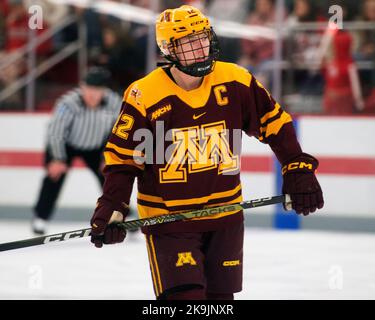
(80, 127)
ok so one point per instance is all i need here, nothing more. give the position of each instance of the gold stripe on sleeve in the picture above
(275, 126)
(124, 151)
(270, 114)
(112, 159)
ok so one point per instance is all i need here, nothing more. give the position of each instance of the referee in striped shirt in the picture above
(80, 126)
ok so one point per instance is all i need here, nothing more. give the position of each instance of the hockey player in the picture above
(200, 101)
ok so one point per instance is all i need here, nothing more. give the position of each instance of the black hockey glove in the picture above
(300, 182)
(104, 230)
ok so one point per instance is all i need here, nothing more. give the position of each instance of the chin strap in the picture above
(163, 63)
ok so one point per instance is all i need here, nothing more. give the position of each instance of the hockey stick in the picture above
(132, 224)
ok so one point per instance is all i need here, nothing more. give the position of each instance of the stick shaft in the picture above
(132, 224)
(202, 212)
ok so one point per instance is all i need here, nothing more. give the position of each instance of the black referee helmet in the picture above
(97, 77)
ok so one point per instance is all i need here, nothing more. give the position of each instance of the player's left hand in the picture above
(104, 228)
(300, 182)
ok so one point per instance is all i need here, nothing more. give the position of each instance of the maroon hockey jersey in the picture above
(184, 146)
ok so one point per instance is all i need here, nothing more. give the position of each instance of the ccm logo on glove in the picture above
(297, 165)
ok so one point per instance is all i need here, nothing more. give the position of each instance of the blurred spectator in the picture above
(94, 25)
(304, 43)
(119, 55)
(53, 13)
(342, 87)
(366, 50)
(257, 53)
(199, 4)
(15, 37)
(17, 34)
(70, 32)
(141, 3)
(302, 46)
(4, 9)
(235, 11)
(16, 26)
(168, 4)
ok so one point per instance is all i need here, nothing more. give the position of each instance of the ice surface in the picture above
(277, 265)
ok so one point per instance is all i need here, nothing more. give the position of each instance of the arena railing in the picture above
(28, 52)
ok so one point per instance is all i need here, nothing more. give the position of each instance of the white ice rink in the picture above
(277, 265)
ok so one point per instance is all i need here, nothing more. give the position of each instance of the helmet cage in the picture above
(197, 66)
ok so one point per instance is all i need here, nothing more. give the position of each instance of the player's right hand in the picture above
(104, 229)
(56, 168)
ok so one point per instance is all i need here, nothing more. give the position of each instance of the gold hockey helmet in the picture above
(175, 24)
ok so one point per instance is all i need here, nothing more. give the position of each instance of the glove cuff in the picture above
(108, 203)
(305, 163)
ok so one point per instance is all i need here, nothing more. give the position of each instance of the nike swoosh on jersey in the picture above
(199, 115)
